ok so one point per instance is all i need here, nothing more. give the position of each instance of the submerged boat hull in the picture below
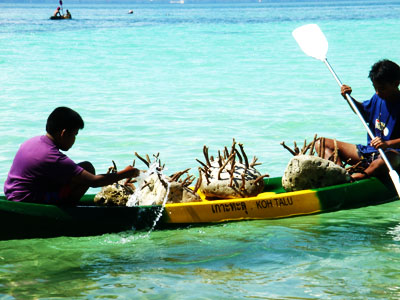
(28, 220)
(60, 18)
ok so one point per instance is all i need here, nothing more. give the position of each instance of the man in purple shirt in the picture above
(41, 173)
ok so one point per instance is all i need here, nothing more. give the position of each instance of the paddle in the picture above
(61, 7)
(313, 43)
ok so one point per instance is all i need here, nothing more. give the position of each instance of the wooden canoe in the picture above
(28, 220)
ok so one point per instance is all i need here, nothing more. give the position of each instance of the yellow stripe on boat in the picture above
(268, 205)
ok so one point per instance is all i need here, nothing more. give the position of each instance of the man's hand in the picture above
(377, 143)
(129, 172)
(345, 89)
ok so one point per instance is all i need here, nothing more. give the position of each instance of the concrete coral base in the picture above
(308, 172)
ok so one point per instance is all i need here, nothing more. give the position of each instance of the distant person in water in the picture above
(67, 15)
(382, 114)
(41, 173)
(57, 12)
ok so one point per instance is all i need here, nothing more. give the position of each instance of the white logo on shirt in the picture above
(381, 127)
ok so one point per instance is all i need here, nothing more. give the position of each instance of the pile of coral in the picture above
(117, 193)
(307, 171)
(229, 175)
(156, 188)
(152, 187)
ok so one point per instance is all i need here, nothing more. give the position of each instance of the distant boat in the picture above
(60, 17)
(57, 14)
(177, 1)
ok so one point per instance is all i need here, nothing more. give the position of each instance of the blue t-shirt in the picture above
(383, 118)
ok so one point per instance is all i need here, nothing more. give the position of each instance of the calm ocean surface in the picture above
(171, 78)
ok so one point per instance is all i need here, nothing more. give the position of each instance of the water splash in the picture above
(154, 168)
(134, 199)
(159, 214)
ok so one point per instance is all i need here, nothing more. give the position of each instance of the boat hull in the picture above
(60, 18)
(274, 203)
(30, 220)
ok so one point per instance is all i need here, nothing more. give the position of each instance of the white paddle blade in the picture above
(396, 180)
(311, 40)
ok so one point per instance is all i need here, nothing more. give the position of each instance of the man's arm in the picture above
(91, 180)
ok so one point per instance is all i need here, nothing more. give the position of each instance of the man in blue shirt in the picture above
(382, 114)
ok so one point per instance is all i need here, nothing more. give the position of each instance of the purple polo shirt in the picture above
(39, 169)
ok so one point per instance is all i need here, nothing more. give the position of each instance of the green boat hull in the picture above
(29, 220)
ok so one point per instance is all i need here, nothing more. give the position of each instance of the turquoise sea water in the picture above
(171, 78)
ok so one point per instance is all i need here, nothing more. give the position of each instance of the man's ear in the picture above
(63, 132)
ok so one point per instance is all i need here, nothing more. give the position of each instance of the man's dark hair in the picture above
(384, 71)
(63, 118)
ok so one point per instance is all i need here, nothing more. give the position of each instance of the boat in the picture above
(65, 17)
(57, 14)
(30, 220)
